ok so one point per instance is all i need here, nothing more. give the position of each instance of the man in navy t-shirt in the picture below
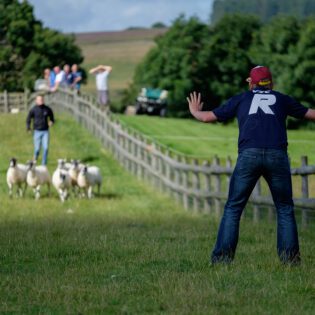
(261, 113)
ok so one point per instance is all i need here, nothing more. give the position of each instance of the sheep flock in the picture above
(69, 178)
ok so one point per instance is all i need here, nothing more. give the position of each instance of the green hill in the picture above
(265, 9)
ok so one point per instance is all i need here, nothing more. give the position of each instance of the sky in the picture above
(74, 16)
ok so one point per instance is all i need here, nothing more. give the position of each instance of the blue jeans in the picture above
(41, 139)
(274, 166)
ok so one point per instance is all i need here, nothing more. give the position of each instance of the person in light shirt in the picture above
(101, 73)
(60, 80)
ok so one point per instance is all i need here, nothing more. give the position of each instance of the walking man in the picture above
(43, 118)
(101, 74)
(261, 113)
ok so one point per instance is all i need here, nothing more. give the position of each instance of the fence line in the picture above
(13, 102)
(198, 185)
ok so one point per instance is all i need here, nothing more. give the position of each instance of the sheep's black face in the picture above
(30, 164)
(13, 162)
(61, 163)
(63, 177)
(84, 170)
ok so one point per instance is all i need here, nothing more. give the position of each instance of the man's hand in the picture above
(50, 123)
(194, 101)
(195, 107)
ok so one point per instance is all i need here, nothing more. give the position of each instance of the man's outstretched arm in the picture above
(195, 107)
(310, 114)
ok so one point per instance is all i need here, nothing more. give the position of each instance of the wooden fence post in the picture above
(168, 172)
(206, 203)
(217, 187)
(305, 190)
(196, 186)
(185, 186)
(177, 180)
(6, 101)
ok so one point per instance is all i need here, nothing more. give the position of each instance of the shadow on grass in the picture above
(89, 159)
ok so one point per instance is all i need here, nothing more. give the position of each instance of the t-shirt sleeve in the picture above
(227, 110)
(295, 109)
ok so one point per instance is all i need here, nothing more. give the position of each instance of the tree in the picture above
(26, 47)
(172, 63)
(158, 25)
(264, 9)
(274, 46)
(224, 60)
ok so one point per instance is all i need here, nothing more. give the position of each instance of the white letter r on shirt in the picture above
(263, 102)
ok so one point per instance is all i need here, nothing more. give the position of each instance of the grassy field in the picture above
(206, 140)
(131, 250)
(122, 50)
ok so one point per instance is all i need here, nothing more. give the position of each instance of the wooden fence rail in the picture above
(198, 185)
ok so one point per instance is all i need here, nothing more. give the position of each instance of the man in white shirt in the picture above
(101, 74)
(60, 79)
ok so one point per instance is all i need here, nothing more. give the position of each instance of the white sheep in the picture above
(16, 175)
(61, 180)
(89, 176)
(38, 176)
(74, 171)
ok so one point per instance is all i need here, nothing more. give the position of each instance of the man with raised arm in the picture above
(262, 145)
(101, 74)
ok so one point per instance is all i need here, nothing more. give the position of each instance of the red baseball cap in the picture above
(260, 75)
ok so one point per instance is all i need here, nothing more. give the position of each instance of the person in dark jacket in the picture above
(43, 118)
(261, 113)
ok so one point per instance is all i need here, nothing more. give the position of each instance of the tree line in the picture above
(264, 9)
(27, 48)
(216, 60)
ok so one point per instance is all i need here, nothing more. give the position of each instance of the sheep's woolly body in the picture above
(16, 175)
(88, 178)
(61, 181)
(38, 176)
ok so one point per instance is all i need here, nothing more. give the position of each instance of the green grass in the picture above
(131, 250)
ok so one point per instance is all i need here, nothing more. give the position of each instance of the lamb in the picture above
(38, 176)
(61, 180)
(88, 177)
(16, 175)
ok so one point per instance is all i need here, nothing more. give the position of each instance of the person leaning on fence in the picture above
(60, 79)
(43, 118)
(76, 78)
(261, 113)
(101, 74)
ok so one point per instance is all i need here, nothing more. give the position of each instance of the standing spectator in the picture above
(60, 80)
(49, 76)
(101, 73)
(76, 77)
(68, 79)
(262, 145)
(43, 118)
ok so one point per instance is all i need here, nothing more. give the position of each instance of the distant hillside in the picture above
(117, 36)
(265, 9)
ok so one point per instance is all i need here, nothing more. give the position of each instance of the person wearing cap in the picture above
(262, 146)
